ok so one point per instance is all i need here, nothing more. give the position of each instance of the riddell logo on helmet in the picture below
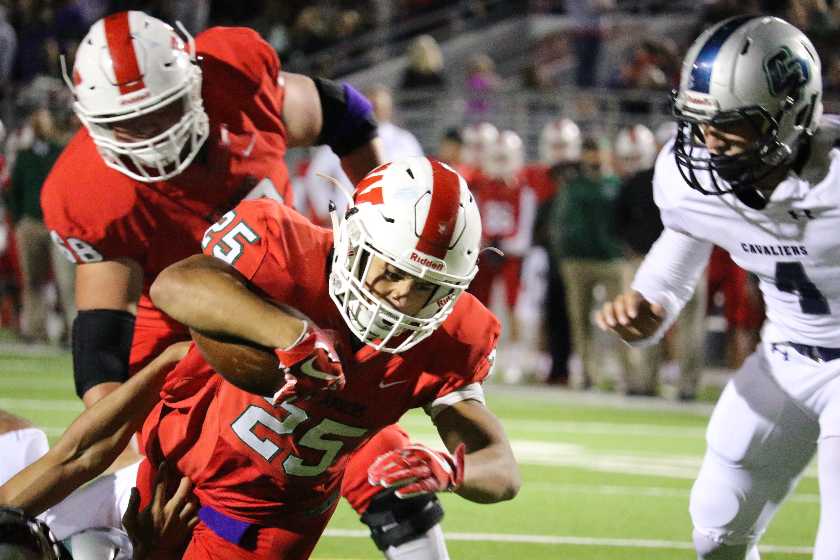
(699, 100)
(129, 99)
(434, 264)
(441, 303)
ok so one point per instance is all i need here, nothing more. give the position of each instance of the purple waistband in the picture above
(226, 527)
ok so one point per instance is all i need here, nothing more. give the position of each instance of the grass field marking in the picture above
(570, 540)
(60, 405)
(22, 383)
(586, 428)
(586, 399)
(651, 491)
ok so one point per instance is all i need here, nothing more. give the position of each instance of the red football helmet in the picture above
(137, 89)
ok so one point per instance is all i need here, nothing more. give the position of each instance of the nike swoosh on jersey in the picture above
(383, 385)
(309, 369)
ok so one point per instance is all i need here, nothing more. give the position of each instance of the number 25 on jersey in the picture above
(228, 247)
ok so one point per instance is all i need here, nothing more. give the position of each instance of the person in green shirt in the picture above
(581, 241)
(37, 253)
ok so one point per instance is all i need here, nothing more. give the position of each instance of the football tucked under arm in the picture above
(310, 364)
(247, 365)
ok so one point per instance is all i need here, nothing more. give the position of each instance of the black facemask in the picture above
(738, 174)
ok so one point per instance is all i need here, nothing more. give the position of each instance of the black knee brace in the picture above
(101, 346)
(394, 521)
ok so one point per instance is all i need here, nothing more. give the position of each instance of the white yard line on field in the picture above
(569, 540)
(585, 428)
(527, 451)
(424, 424)
(651, 491)
(62, 405)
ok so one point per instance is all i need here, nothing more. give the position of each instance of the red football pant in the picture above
(295, 541)
(723, 275)
(510, 270)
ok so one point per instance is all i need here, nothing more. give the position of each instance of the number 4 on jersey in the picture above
(228, 247)
(791, 278)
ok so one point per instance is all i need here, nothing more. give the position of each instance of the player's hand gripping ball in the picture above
(311, 365)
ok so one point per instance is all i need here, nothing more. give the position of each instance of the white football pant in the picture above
(778, 408)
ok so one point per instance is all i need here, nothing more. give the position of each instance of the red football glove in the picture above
(310, 365)
(416, 469)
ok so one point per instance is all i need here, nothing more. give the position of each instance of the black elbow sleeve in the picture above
(348, 121)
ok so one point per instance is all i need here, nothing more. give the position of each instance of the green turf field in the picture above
(604, 478)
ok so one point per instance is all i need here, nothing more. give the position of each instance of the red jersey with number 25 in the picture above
(97, 213)
(252, 460)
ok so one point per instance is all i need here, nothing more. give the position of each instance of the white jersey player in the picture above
(89, 521)
(754, 170)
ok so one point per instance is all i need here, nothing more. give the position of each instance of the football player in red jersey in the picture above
(177, 132)
(383, 295)
(508, 206)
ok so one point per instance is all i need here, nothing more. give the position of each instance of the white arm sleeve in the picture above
(669, 274)
(473, 392)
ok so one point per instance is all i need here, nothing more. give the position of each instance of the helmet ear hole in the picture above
(808, 117)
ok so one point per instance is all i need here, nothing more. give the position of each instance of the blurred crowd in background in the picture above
(566, 201)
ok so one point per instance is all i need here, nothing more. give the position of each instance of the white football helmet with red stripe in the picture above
(418, 215)
(635, 149)
(477, 137)
(560, 142)
(129, 66)
(505, 157)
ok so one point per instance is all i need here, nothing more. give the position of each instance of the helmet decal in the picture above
(786, 74)
(701, 71)
(367, 191)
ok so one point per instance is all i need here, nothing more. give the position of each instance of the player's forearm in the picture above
(669, 274)
(204, 294)
(490, 475)
(360, 161)
(91, 443)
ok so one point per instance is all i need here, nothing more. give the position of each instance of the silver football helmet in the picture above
(758, 70)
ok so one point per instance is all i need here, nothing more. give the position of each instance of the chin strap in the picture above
(754, 198)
